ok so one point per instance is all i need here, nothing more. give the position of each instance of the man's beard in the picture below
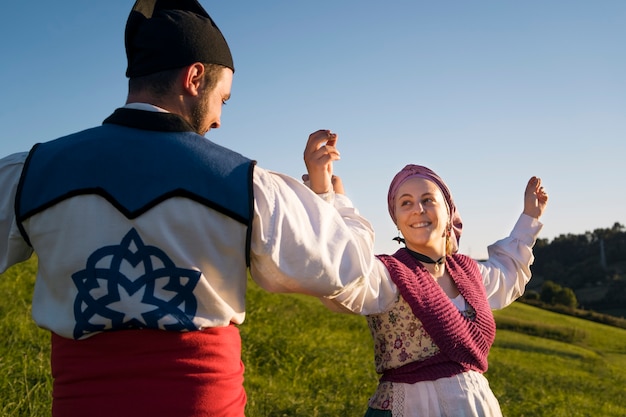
(198, 113)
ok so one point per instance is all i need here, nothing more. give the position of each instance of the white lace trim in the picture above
(398, 400)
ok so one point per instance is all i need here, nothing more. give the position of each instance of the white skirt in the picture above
(463, 395)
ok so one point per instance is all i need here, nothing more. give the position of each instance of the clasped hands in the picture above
(319, 154)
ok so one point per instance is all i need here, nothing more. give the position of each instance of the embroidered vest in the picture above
(136, 222)
(135, 169)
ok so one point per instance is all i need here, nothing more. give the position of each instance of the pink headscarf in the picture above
(419, 171)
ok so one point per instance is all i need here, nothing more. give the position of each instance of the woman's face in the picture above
(422, 216)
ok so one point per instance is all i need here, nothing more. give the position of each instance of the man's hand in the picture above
(319, 154)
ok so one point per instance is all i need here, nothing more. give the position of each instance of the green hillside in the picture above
(302, 360)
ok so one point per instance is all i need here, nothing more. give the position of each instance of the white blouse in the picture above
(505, 275)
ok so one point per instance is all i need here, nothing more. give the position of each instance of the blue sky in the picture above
(486, 93)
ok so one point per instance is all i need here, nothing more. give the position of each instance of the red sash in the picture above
(149, 373)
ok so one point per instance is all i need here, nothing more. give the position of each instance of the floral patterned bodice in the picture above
(399, 337)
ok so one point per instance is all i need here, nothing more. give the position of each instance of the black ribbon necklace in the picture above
(423, 258)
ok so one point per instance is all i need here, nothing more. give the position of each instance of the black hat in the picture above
(167, 34)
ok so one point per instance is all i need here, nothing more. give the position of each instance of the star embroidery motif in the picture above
(132, 285)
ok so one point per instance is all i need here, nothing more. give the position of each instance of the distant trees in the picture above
(568, 257)
(566, 297)
(574, 263)
(553, 293)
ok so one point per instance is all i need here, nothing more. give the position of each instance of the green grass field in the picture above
(302, 360)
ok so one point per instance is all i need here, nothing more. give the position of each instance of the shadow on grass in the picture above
(558, 333)
(545, 350)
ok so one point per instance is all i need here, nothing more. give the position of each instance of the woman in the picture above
(427, 306)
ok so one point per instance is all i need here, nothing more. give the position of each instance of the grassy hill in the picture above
(302, 360)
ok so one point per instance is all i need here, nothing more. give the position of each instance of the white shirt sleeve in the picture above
(507, 269)
(505, 274)
(371, 295)
(305, 243)
(13, 248)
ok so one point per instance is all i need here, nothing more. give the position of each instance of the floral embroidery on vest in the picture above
(399, 337)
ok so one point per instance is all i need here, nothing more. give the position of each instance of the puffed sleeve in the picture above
(373, 294)
(306, 244)
(507, 269)
(13, 248)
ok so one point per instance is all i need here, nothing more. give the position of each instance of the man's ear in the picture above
(193, 77)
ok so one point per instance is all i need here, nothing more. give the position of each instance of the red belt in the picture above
(149, 373)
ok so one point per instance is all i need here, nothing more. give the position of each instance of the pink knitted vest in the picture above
(464, 343)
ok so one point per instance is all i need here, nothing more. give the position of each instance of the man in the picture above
(145, 232)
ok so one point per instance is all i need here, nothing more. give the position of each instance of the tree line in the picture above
(571, 264)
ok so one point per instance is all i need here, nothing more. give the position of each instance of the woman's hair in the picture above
(451, 247)
(161, 83)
